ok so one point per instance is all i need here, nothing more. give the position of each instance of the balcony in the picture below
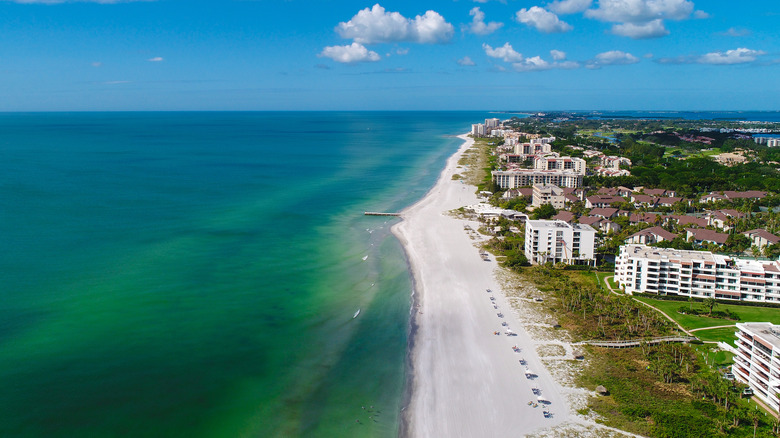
(761, 355)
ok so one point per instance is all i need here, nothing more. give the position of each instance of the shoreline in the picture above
(461, 379)
(409, 365)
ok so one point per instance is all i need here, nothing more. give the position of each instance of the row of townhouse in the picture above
(699, 274)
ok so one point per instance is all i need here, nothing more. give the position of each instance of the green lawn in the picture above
(714, 357)
(746, 313)
(717, 335)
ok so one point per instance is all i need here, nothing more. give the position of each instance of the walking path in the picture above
(711, 328)
(637, 342)
(609, 286)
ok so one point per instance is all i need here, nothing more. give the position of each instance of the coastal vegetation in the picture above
(476, 163)
(667, 390)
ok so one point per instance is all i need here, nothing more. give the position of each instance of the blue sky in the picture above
(390, 55)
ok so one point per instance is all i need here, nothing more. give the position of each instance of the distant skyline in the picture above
(93, 55)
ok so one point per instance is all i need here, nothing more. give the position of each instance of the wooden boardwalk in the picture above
(636, 342)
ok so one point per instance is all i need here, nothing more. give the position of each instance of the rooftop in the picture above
(768, 332)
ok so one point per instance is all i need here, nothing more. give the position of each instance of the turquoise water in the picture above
(196, 274)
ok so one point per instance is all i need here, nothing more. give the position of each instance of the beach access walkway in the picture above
(637, 342)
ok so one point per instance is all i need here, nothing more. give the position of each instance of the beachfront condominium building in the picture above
(548, 194)
(527, 149)
(558, 241)
(757, 362)
(560, 163)
(698, 274)
(512, 179)
(542, 140)
(492, 123)
(478, 130)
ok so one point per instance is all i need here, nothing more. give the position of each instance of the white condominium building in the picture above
(548, 194)
(478, 130)
(512, 179)
(757, 362)
(492, 123)
(699, 274)
(577, 165)
(532, 148)
(557, 241)
(542, 140)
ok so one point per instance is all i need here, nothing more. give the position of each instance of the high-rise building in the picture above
(698, 274)
(558, 241)
(757, 362)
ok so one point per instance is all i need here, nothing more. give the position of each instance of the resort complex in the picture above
(562, 201)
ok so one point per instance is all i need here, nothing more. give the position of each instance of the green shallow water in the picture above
(196, 274)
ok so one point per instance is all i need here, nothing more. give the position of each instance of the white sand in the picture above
(466, 382)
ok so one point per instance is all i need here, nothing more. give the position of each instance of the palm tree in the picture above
(710, 303)
(756, 251)
(755, 418)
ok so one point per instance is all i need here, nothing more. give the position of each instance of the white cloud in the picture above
(557, 55)
(735, 32)
(466, 62)
(478, 25)
(349, 54)
(730, 57)
(563, 7)
(736, 56)
(700, 15)
(156, 59)
(640, 19)
(651, 29)
(639, 11)
(375, 25)
(542, 19)
(613, 57)
(506, 53)
(536, 63)
(402, 51)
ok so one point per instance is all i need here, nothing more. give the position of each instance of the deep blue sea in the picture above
(196, 274)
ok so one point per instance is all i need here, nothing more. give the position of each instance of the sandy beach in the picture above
(466, 381)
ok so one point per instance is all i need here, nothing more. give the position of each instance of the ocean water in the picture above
(196, 274)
